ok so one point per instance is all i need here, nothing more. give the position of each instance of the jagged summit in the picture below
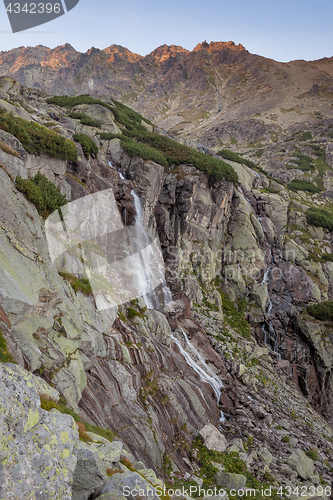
(216, 46)
(166, 51)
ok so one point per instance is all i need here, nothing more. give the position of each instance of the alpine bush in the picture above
(322, 310)
(42, 193)
(37, 139)
(320, 217)
(302, 185)
(88, 145)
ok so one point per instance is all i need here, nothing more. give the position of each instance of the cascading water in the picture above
(149, 294)
(270, 337)
(198, 364)
(150, 297)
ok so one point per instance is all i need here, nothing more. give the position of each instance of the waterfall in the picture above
(150, 297)
(167, 295)
(198, 364)
(141, 238)
(266, 275)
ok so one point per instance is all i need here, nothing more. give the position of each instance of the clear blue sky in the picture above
(283, 30)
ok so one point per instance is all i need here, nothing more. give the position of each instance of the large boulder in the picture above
(302, 464)
(36, 447)
(129, 484)
(213, 438)
(230, 481)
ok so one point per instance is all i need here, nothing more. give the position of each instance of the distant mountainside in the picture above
(218, 92)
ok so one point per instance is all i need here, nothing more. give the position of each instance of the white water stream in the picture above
(149, 294)
(270, 336)
(198, 364)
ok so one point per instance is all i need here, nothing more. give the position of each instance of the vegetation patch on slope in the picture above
(320, 217)
(37, 139)
(42, 193)
(5, 356)
(85, 119)
(78, 284)
(138, 141)
(232, 156)
(89, 147)
(47, 404)
(302, 185)
(303, 162)
(322, 311)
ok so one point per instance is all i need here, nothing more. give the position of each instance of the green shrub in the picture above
(107, 136)
(133, 148)
(234, 316)
(320, 217)
(312, 454)
(176, 153)
(78, 284)
(5, 356)
(322, 311)
(230, 155)
(302, 185)
(136, 140)
(88, 145)
(270, 190)
(123, 113)
(42, 193)
(324, 257)
(132, 313)
(37, 139)
(85, 119)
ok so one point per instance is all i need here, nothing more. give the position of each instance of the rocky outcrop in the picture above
(37, 448)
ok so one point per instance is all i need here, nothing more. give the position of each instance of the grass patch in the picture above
(5, 356)
(88, 145)
(270, 190)
(37, 139)
(61, 406)
(312, 454)
(232, 464)
(7, 149)
(320, 217)
(322, 311)
(301, 185)
(42, 193)
(78, 284)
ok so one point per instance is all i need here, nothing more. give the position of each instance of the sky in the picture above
(283, 30)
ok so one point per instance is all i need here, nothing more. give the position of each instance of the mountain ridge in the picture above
(187, 92)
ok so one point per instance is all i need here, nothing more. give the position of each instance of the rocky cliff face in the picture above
(238, 264)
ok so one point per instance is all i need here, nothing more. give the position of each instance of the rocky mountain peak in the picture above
(167, 51)
(217, 46)
(123, 52)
